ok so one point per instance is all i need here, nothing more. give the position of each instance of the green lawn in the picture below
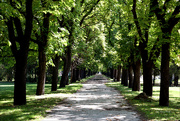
(36, 105)
(152, 110)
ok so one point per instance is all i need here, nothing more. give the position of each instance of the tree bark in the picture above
(42, 44)
(73, 75)
(136, 69)
(114, 75)
(56, 62)
(147, 77)
(130, 71)
(66, 68)
(83, 73)
(20, 79)
(42, 71)
(164, 86)
(111, 73)
(124, 77)
(119, 73)
(78, 74)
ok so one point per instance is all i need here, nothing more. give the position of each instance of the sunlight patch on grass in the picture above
(152, 110)
(36, 106)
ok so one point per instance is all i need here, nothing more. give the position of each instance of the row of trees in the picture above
(89, 36)
(147, 29)
(45, 29)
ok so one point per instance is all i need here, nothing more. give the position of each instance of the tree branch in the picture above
(18, 26)
(136, 20)
(11, 35)
(82, 1)
(155, 51)
(35, 41)
(165, 3)
(159, 13)
(83, 18)
(173, 20)
(29, 18)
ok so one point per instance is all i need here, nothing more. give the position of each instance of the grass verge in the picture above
(36, 106)
(152, 110)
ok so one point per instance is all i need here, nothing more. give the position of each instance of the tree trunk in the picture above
(67, 81)
(130, 71)
(83, 73)
(111, 73)
(56, 62)
(20, 53)
(164, 86)
(42, 71)
(114, 74)
(119, 73)
(78, 74)
(20, 79)
(73, 75)
(66, 68)
(124, 77)
(147, 77)
(176, 78)
(136, 69)
(42, 44)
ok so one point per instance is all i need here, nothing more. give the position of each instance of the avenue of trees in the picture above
(121, 38)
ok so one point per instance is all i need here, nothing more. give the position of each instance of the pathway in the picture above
(94, 102)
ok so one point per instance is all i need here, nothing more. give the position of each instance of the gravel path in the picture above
(94, 102)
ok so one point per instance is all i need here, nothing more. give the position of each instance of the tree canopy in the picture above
(94, 35)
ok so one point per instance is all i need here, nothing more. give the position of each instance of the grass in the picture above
(152, 110)
(37, 106)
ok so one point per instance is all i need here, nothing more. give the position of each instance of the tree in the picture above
(71, 27)
(167, 16)
(19, 43)
(143, 45)
(56, 62)
(42, 40)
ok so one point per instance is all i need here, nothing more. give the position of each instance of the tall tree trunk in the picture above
(42, 71)
(20, 53)
(83, 73)
(124, 80)
(114, 74)
(78, 74)
(136, 69)
(119, 73)
(111, 73)
(73, 75)
(147, 77)
(130, 72)
(66, 68)
(56, 62)
(42, 44)
(20, 79)
(164, 86)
